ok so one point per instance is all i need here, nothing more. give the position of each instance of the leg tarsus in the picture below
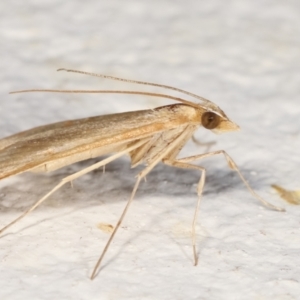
(182, 165)
(33, 207)
(115, 229)
(233, 166)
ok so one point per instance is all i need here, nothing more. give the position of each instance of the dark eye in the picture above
(210, 120)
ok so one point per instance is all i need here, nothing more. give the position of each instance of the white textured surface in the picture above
(243, 55)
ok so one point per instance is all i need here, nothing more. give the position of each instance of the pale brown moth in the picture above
(147, 136)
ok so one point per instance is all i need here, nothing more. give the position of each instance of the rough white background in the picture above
(243, 55)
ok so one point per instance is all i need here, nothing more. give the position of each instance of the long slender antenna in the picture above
(110, 92)
(138, 82)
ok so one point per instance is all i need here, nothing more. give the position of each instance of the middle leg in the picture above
(182, 165)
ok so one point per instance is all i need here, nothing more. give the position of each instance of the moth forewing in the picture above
(63, 143)
(147, 136)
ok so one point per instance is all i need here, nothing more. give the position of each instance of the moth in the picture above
(148, 136)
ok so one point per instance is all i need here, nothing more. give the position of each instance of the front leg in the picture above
(184, 164)
(234, 167)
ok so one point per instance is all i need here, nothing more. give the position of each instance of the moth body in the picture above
(49, 147)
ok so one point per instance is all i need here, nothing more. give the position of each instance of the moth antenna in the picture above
(110, 92)
(138, 82)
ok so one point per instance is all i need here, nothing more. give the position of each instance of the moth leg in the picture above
(178, 164)
(234, 167)
(116, 227)
(140, 176)
(70, 178)
(35, 205)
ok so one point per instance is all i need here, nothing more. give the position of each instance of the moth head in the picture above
(217, 121)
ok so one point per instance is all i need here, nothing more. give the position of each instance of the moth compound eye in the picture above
(210, 120)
